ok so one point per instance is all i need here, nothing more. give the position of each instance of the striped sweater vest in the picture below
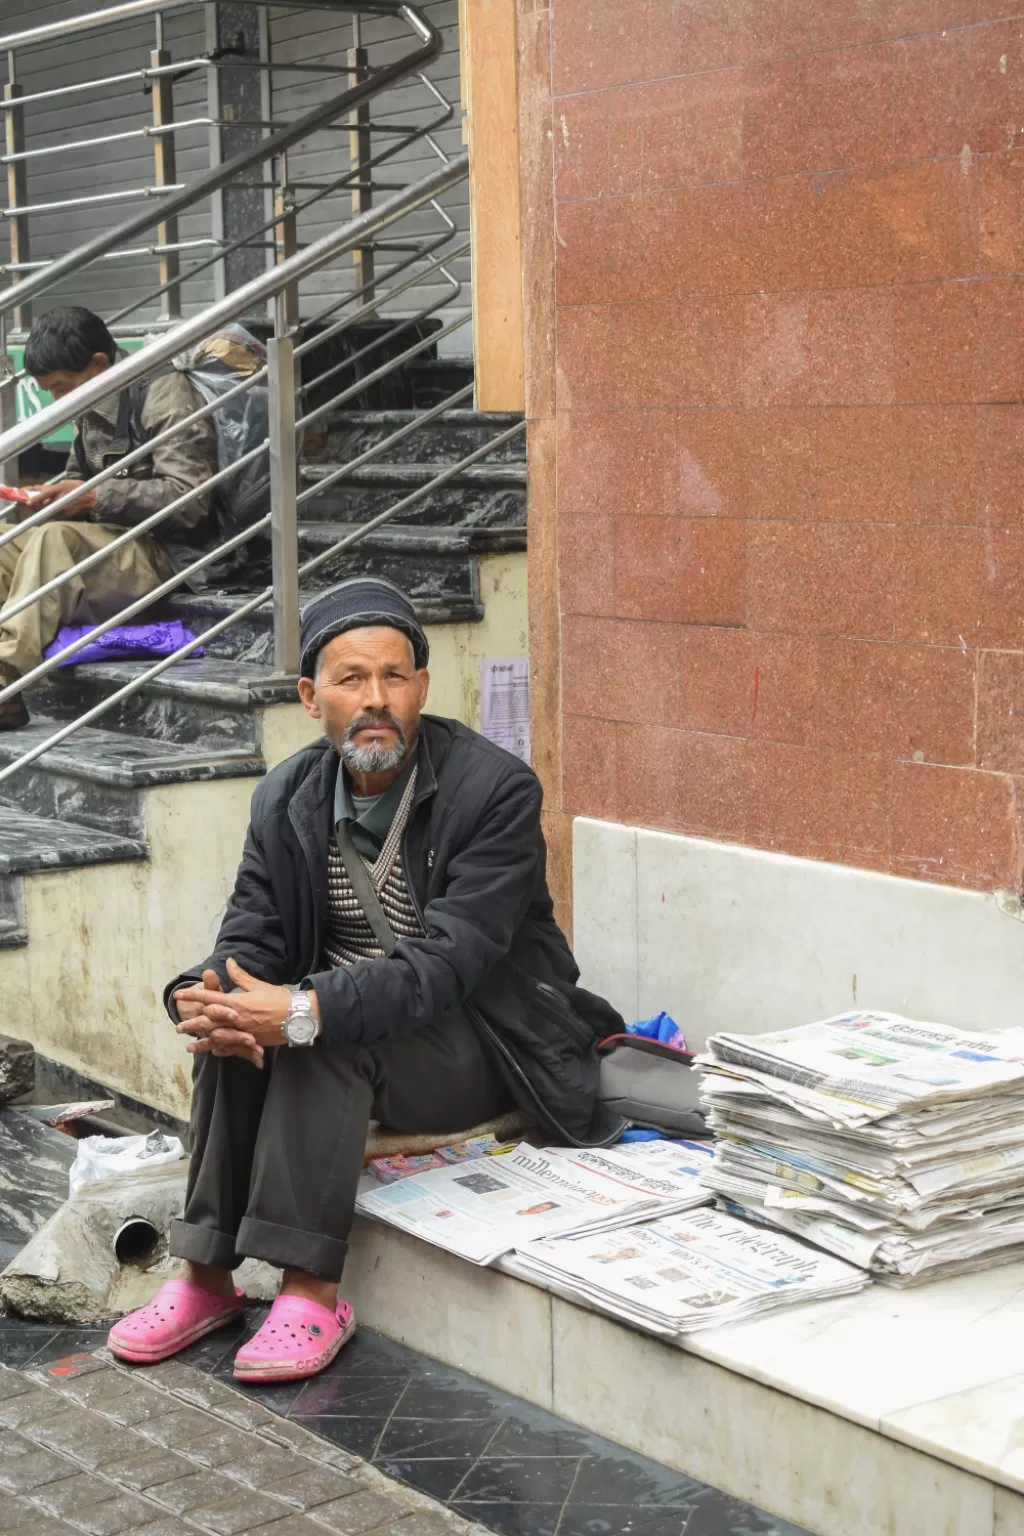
(348, 936)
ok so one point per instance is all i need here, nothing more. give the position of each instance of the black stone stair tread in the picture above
(412, 476)
(130, 762)
(405, 538)
(217, 605)
(12, 936)
(211, 679)
(31, 843)
(455, 418)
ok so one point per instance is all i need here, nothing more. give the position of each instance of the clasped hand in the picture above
(239, 1023)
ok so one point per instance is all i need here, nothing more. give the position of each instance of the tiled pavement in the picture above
(175, 1450)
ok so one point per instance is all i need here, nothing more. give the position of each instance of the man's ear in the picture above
(424, 677)
(307, 693)
(101, 362)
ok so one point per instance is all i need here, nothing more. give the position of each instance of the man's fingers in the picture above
(242, 978)
(205, 998)
(211, 981)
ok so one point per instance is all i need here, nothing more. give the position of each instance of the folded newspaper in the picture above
(895, 1144)
(485, 1209)
(685, 1272)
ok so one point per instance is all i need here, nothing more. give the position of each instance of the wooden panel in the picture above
(490, 98)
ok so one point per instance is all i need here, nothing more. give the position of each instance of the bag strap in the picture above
(362, 885)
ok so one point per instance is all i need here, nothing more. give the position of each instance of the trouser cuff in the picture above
(204, 1245)
(290, 1248)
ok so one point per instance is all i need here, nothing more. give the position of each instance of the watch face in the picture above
(300, 1028)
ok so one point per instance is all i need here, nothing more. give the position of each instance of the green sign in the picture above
(31, 399)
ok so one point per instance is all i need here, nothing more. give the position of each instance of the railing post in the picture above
(10, 473)
(164, 169)
(360, 155)
(17, 189)
(286, 243)
(284, 537)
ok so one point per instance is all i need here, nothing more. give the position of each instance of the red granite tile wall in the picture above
(786, 339)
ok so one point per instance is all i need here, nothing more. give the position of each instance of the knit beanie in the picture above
(361, 602)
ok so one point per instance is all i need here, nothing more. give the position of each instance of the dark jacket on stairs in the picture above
(475, 861)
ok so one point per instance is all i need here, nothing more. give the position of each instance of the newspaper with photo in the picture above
(483, 1210)
(686, 1272)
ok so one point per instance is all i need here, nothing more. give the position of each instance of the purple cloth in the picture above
(125, 642)
(661, 1027)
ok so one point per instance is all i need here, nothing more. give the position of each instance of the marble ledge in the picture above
(926, 1367)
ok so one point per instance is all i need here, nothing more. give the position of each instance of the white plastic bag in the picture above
(101, 1157)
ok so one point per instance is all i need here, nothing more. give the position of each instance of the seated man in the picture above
(65, 348)
(430, 988)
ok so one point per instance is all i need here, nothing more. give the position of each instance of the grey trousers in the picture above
(277, 1153)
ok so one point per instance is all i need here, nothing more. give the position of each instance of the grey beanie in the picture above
(361, 602)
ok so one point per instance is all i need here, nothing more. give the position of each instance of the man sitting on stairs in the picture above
(390, 951)
(66, 348)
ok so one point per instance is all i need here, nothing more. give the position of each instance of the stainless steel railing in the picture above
(420, 240)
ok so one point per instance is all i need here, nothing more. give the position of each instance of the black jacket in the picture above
(474, 856)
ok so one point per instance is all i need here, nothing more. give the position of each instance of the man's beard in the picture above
(376, 758)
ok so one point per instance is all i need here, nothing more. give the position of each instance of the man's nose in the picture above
(375, 696)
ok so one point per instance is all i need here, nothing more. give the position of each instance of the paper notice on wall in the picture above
(505, 704)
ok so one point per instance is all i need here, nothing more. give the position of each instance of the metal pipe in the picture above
(155, 293)
(135, 1240)
(240, 302)
(128, 11)
(96, 84)
(229, 170)
(132, 194)
(284, 529)
(148, 132)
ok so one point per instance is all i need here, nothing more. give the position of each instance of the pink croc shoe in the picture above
(179, 1313)
(298, 1339)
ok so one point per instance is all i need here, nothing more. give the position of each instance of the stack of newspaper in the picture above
(484, 1209)
(895, 1144)
(686, 1272)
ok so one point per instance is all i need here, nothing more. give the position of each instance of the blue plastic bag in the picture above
(662, 1028)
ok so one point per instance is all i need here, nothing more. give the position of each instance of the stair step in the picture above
(409, 477)
(252, 641)
(452, 506)
(193, 702)
(30, 843)
(443, 576)
(97, 777)
(444, 439)
(429, 541)
(13, 933)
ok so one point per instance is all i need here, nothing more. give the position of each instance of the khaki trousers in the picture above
(35, 557)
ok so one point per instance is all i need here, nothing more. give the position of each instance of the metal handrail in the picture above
(268, 285)
(170, 206)
(418, 259)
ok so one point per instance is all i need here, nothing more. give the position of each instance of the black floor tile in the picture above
(447, 1397)
(717, 1514)
(359, 1436)
(512, 1519)
(617, 1477)
(524, 1479)
(439, 1476)
(617, 1520)
(519, 1437)
(370, 1354)
(71, 1341)
(416, 1438)
(19, 1342)
(347, 1396)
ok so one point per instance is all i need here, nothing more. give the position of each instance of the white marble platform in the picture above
(895, 1412)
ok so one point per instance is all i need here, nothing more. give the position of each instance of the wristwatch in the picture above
(300, 1026)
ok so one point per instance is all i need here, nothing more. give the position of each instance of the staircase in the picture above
(123, 805)
(84, 802)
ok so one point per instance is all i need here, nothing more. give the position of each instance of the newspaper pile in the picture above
(683, 1273)
(894, 1144)
(485, 1209)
